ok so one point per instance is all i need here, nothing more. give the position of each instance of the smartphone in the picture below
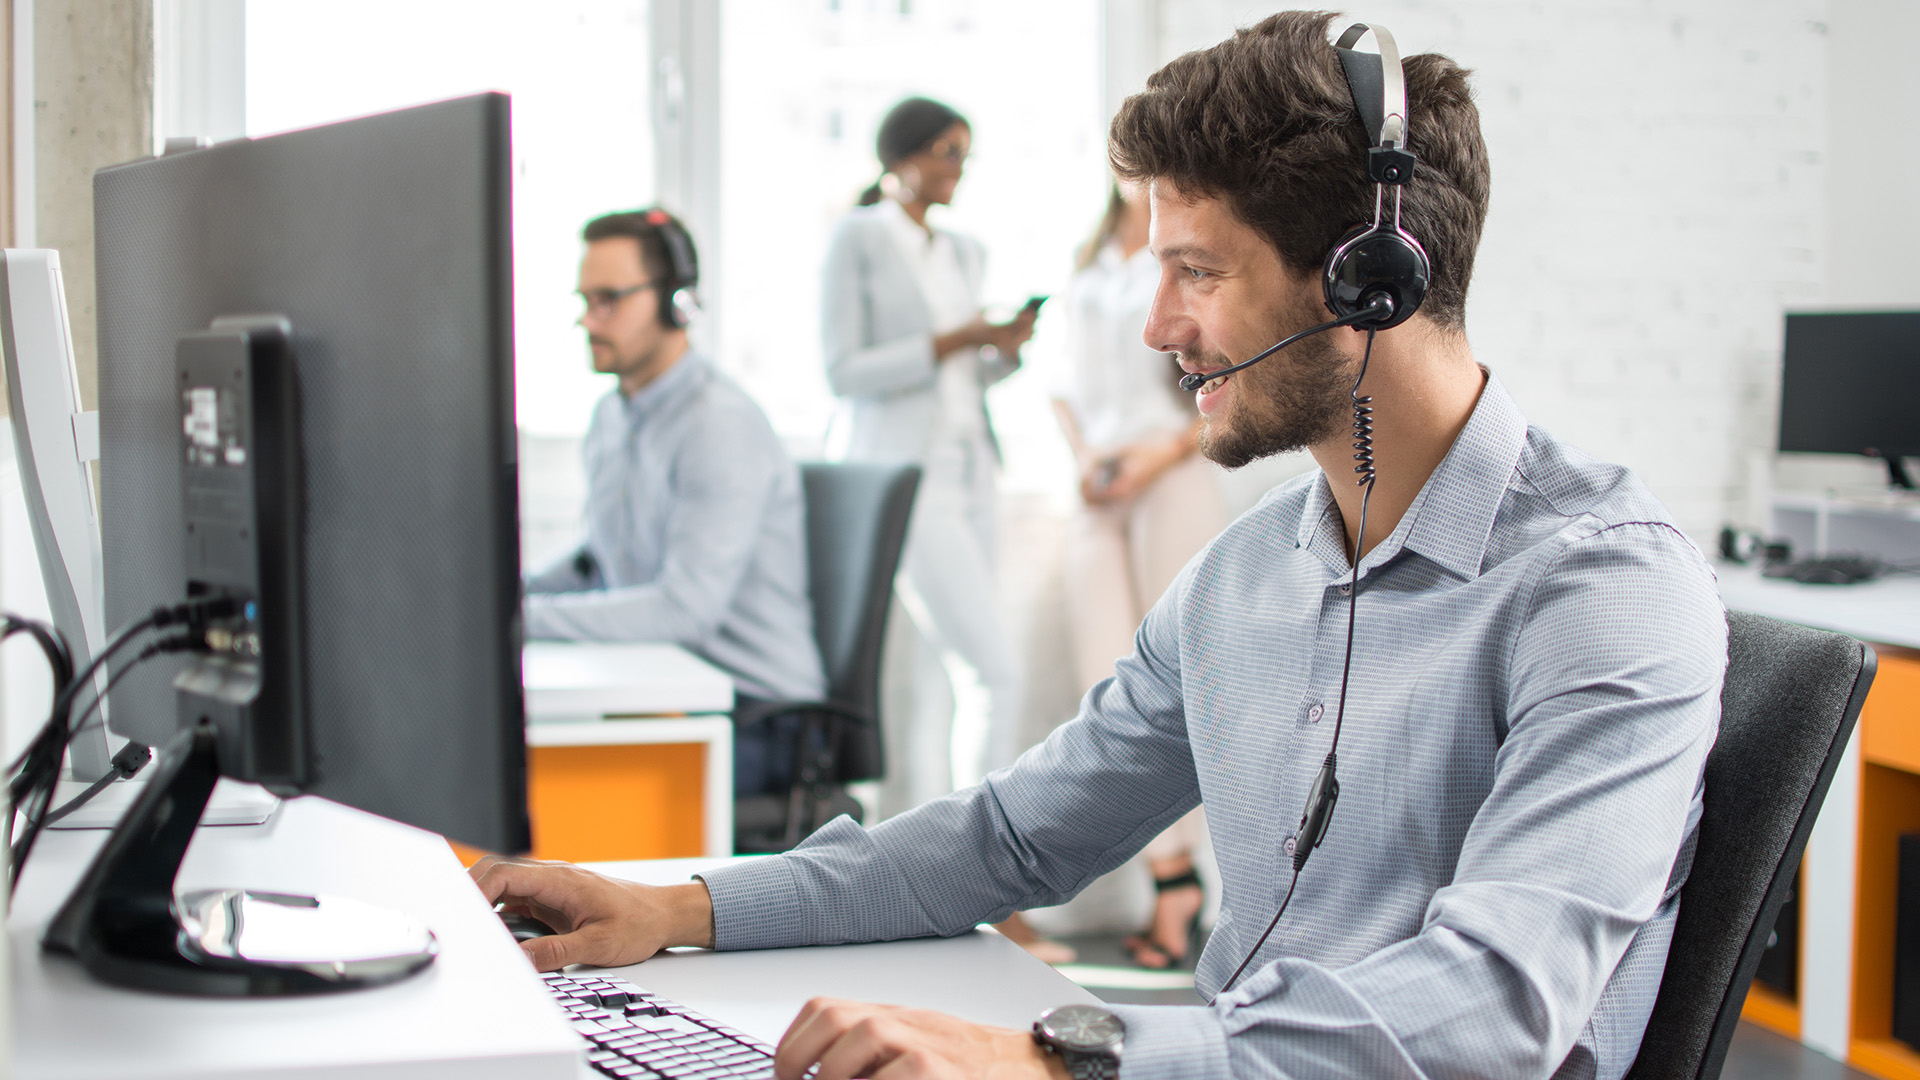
(1033, 303)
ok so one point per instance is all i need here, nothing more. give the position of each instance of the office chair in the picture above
(1790, 701)
(856, 527)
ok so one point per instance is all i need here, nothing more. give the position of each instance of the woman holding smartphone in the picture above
(910, 354)
(1149, 502)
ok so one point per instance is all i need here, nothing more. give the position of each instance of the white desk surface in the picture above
(1886, 610)
(981, 976)
(478, 1011)
(575, 680)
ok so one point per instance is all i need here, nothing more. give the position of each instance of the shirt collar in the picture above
(904, 226)
(667, 392)
(1452, 517)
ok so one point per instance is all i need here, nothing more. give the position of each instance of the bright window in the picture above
(804, 86)
(581, 132)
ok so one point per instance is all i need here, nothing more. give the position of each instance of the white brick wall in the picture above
(1659, 198)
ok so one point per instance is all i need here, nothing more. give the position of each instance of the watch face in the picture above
(1082, 1027)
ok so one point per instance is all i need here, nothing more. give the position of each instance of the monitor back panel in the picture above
(385, 242)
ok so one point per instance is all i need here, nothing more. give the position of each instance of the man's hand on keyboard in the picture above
(851, 1038)
(600, 920)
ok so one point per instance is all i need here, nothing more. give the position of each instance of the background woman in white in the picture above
(908, 350)
(1148, 504)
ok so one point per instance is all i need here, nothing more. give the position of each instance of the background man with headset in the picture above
(1533, 693)
(695, 531)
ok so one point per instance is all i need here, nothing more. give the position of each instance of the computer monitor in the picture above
(53, 440)
(363, 270)
(1850, 384)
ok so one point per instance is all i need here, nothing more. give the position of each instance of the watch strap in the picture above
(1085, 1066)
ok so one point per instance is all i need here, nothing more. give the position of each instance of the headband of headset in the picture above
(1379, 89)
(677, 299)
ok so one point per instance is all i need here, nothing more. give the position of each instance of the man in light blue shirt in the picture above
(695, 529)
(1535, 677)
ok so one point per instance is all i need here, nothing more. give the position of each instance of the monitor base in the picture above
(125, 926)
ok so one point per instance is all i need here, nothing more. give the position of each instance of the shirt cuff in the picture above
(753, 905)
(1170, 1041)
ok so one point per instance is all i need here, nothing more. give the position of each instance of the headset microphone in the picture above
(1379, 306)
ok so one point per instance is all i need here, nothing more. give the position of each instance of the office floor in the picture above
(1756, 1054)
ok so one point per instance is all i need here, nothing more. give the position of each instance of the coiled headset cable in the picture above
(1325, 791)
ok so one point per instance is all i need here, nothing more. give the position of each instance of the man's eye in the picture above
(1194, 273)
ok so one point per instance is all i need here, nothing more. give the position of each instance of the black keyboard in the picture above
(631, 1033)
(1828, 570)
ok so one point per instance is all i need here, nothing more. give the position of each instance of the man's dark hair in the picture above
(644, 226)
(1264, 122)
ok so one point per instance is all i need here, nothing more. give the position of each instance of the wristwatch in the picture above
(1087, 1038)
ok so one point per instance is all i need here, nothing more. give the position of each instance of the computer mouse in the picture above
(525, 927)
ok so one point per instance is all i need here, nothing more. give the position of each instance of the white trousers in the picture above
(964, 664)
(1120, 558)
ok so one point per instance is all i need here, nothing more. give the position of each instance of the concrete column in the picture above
(93, 106)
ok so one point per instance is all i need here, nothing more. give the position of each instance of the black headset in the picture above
(678, 301)
(1379, 258)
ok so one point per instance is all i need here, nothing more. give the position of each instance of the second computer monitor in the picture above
(1850, 384)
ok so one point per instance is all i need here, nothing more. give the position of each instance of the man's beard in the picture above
(1294, 399)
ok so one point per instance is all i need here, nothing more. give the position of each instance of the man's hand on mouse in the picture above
(598, 920)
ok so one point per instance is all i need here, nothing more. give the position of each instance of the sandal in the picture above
(1151, 954)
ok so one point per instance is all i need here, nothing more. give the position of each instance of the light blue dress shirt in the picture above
(1536, 685)
(696, 535)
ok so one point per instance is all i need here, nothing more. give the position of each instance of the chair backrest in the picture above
(1791, 698)
(856, 526)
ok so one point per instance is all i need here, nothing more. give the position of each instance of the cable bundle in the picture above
(33, 776)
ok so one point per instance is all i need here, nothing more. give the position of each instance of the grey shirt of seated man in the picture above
(695, 535)
(1536, 678)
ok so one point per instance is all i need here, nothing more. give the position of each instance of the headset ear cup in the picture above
(682, 305)
(1370, 261)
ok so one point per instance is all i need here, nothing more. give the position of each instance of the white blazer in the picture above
(877, 336)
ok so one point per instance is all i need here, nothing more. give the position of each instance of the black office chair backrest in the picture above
(1791, 698)
(856, 527)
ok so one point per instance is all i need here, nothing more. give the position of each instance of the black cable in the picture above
(59, 660)
(133, 757)
(38, 770)
(1326, 788)
(126, 764)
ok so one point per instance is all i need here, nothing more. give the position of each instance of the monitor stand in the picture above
(125, 925)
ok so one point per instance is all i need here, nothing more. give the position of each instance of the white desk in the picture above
(1886, 610)
(981, 976)
(588, 680)
(595, 694)
(479, 1012)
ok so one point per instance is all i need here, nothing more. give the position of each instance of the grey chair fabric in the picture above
(1791, 699)
(856, 528)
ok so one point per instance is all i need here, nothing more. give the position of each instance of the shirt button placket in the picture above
(1314, 714)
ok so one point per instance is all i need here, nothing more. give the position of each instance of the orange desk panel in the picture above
(612, 803)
